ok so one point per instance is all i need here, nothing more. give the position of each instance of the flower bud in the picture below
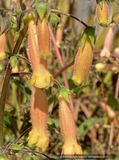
(59, 35)
(39, 113)
(68, 129)
(83, 62)
(102, 12)
(2, 46)
(44, 38)
(41, 77)
(108, 42)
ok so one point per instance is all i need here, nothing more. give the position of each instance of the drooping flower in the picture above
(39, 113)
(44, 38)
(68, 129)
(102, 12)
(2, 46)
(41, 77)
(83, 62)
(108, 42)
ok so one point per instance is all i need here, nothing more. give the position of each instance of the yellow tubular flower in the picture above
(68, 129)
(2, 46)
(41, 77)
(83, 62)
(39, 113)
(102, 13)
(44, 38)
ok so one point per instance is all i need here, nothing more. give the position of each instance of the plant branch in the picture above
(58, 84)
(63, 69)
(22, 134)
(70, 15)
(21, 74)
(6, 83)
(3, 99)
(63, 73)
(25, 59)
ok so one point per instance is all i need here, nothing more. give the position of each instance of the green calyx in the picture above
(64, 92)
(13, 61)
(43, 10)
(29, 17)
(100, 2)
(54, 20)
(91, 33)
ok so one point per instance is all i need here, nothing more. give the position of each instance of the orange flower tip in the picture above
(71, 149)
(2, 55)
(58, 44)
(77, 80)
(45, 81)
(45, 55)
(41, 140)
(103, 23)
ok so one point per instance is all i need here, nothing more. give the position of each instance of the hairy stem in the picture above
(6, 83)
(69, 15)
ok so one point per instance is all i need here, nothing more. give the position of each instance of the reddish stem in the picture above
(69, 15)
(63, 73)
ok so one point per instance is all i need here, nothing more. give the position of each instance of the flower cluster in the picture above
(41, 79)
(38, 52)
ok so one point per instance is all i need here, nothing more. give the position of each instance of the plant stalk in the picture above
(6, 83)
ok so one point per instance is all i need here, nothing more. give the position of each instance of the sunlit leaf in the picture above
(85, 126)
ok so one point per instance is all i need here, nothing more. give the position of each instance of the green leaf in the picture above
(26, 157)
(5, 25)
(54, 20)
(85, 126)
(64, 92)
(56, 121)
(13, 61)
(91, 33)
(26, 90)
(52, 99)
(3, 157)
(35, 2)
(7, 121)
(112, 102)
(43, 9)
(15, 147)
(117, 158)
(53, 124)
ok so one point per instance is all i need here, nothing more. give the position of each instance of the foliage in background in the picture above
(97, 132)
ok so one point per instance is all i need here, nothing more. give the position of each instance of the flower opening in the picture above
(39, 113)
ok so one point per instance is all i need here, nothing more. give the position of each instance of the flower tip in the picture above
(2, 55)
(103, 23)
(76, 80)
(41, 140)
(73, 149)
(46, 55)
(42, 82)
